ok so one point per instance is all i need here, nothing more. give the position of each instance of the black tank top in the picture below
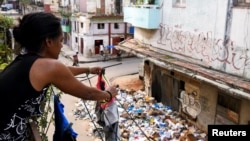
(19, 100)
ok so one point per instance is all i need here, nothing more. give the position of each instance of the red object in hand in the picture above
(101, 85)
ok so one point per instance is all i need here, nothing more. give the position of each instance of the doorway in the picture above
(97, 46)
(165, 88)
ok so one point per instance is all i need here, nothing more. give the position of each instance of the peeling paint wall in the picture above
(244, 113)
(208, 100)
(198, 100)
(91, 6)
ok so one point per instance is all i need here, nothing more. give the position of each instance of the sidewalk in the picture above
(68, 53)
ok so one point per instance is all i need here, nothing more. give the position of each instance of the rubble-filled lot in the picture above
(142, 119)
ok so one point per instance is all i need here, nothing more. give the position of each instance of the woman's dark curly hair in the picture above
(34, 28)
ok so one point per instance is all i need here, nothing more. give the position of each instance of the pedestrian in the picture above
(119, 54)
(25, 81)
(101, 49)
(75, 59)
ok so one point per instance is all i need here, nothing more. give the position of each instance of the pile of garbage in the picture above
(143, 119)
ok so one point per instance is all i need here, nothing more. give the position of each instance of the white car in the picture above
(6, 7)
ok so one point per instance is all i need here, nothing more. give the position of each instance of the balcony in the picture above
(143, 16)
(65, 22)
(66, 28)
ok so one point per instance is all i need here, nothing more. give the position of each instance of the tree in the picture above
(1, 2)
(6, 23)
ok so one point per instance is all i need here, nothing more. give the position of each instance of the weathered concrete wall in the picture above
(208, 101)
(204, 33)
(86, 25)
(244, 113)
(89, 43)
(204, 111)
(91, 6)
(89, 32)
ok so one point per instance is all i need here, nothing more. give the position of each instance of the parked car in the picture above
(6, 7)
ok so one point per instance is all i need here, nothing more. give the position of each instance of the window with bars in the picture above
(241, 3)
(76, 39)
(116, 26)
(81, 25)
(100, 26)
(228, 109)
(179, 3)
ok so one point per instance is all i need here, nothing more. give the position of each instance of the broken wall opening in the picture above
(227, 111)
(165, 88)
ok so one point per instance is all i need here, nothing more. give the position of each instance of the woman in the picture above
(24, 82)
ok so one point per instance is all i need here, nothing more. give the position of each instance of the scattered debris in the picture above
(142, 119)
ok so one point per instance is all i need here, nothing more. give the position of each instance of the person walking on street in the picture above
(25, 81)
(75, 59)
(119, 55)
(101, 49)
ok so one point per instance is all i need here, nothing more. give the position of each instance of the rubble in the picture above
(143, 119)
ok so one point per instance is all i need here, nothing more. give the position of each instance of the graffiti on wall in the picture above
(202, 46)
(189, 104)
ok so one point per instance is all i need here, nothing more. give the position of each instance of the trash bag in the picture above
(63, 128)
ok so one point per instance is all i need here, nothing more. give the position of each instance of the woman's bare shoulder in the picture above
(47, 71)
(49, 65)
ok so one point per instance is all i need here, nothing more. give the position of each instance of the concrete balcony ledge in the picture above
(150, 6)
(148, 18)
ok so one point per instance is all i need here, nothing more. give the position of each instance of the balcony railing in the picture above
(144, 16)
(66, 28)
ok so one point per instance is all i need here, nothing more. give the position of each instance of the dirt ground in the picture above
(129, 82)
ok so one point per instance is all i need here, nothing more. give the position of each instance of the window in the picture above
(228, 109)
(81, 25)
(241, 3)
(179, 3)
(116, 26)
(76, 39)
(100, 26)
(65, 22)
(74, 26)
(244, 1)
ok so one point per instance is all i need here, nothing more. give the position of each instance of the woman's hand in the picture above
(112, 90)
(95, 70)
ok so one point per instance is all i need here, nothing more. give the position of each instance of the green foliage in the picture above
(1, 2)
(25, 2)
(3, 65)
(64, 13)
(47, 117)
(138, 2)
(6, 23)
(5, 54)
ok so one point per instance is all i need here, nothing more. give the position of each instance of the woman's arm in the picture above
(80, 70)
(49, 71)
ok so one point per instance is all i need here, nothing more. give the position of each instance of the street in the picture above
(84, 127)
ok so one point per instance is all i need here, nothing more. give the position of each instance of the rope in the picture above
(106, 80)
(90, 114)
(129, 113)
